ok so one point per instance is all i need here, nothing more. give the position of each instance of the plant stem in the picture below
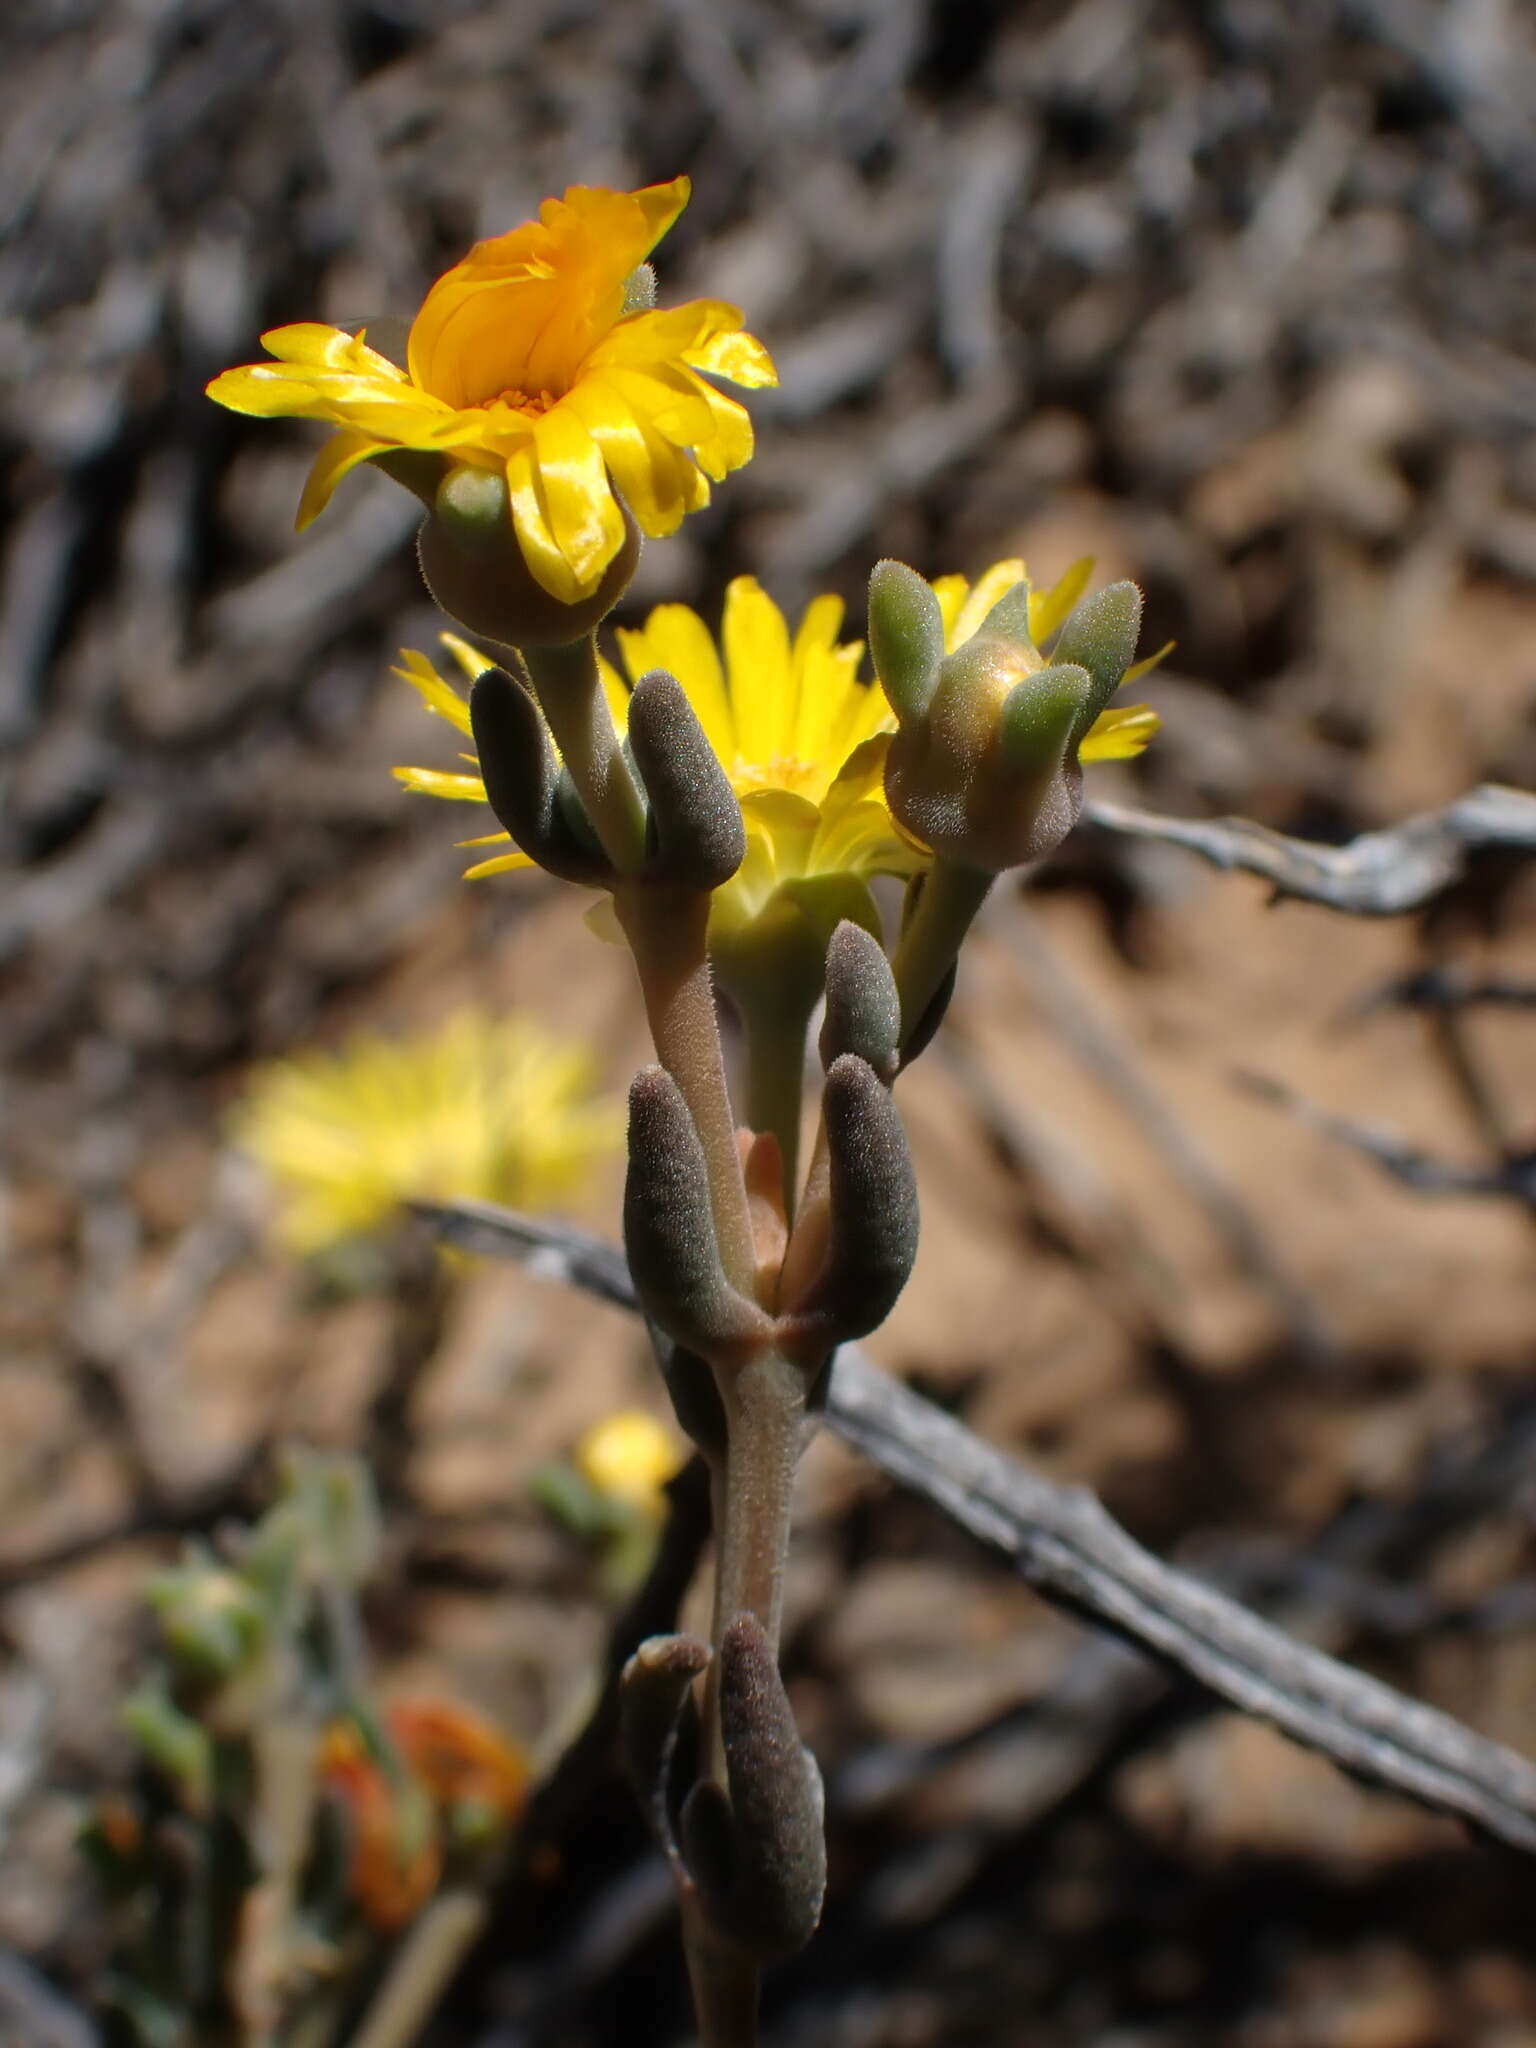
(764, 1410)
(754, 1494)
(422, 1965)
(724, 1984)
(568, 684)
(666, 929)
(776, 1076)
(946, 906)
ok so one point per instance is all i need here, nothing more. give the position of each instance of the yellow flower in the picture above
(487, 1109)
(801, 736)
(629, 1457)
(524, 360)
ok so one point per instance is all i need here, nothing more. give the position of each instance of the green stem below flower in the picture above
(568, 684)
(946, 907)
(724, 1983)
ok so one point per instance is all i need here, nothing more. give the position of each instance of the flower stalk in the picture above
(568, 686)
(948, 899)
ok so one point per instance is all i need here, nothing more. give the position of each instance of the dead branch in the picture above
(1514, 1179)
(1379, 874)
(1072, 1552)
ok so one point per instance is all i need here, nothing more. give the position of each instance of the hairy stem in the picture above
(724, 1983)
(666, 930)
(764, 1409)
(753, 1488)
(568, 685)
(946, 906)
(754, 1496)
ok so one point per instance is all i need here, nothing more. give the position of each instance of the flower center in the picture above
(784, 771)
(531, 403)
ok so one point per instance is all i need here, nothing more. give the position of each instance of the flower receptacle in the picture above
(476, 570)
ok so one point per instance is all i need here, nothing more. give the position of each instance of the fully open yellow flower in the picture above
(493, 1109)
(524, 360)
(802, 738)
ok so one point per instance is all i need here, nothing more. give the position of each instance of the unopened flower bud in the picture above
(758, 1855)
(872, 1239)
(697, 837)
(476, 570)
(863, 1012)
(524, 785)
(669, 1231)
(984, 766)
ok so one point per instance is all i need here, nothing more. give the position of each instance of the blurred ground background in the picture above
(1236, 296)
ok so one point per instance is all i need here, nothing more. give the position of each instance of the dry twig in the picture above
(1071, 1550)
(1379, 874)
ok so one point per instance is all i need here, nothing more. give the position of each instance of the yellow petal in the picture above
(950, 591)
(473, 663)
(739, 357)
(341, 453)
(1118, 734)
(583, 515)
(546, 563)
(1050, 609)
(438, 696)
(463, 789)
(661, 205)
(666, 334)
(1140, 668)
(755, 638)
(501, 865)
(665, 399)
(992, 584)
(806, 709)
(660, 482)
(730, 440)
(312, 346)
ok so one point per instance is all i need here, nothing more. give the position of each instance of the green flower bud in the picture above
(697, 837)
(984, 767)
(1101, 637)
(213, 1621)
(475, 568)
(669, 1230)
(906, 637)
(172, 1741)
(863, 1013)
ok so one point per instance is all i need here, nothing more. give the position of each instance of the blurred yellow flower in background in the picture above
(629, 1456)
(493, 1109)
(529, 358)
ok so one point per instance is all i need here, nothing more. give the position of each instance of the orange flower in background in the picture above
(399, 1810)
(396, 1845)
(531, 357)
(460, 1757)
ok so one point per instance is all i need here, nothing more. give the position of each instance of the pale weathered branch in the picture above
(1378, 874)
(1511, 1179)
(1065, 1544)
